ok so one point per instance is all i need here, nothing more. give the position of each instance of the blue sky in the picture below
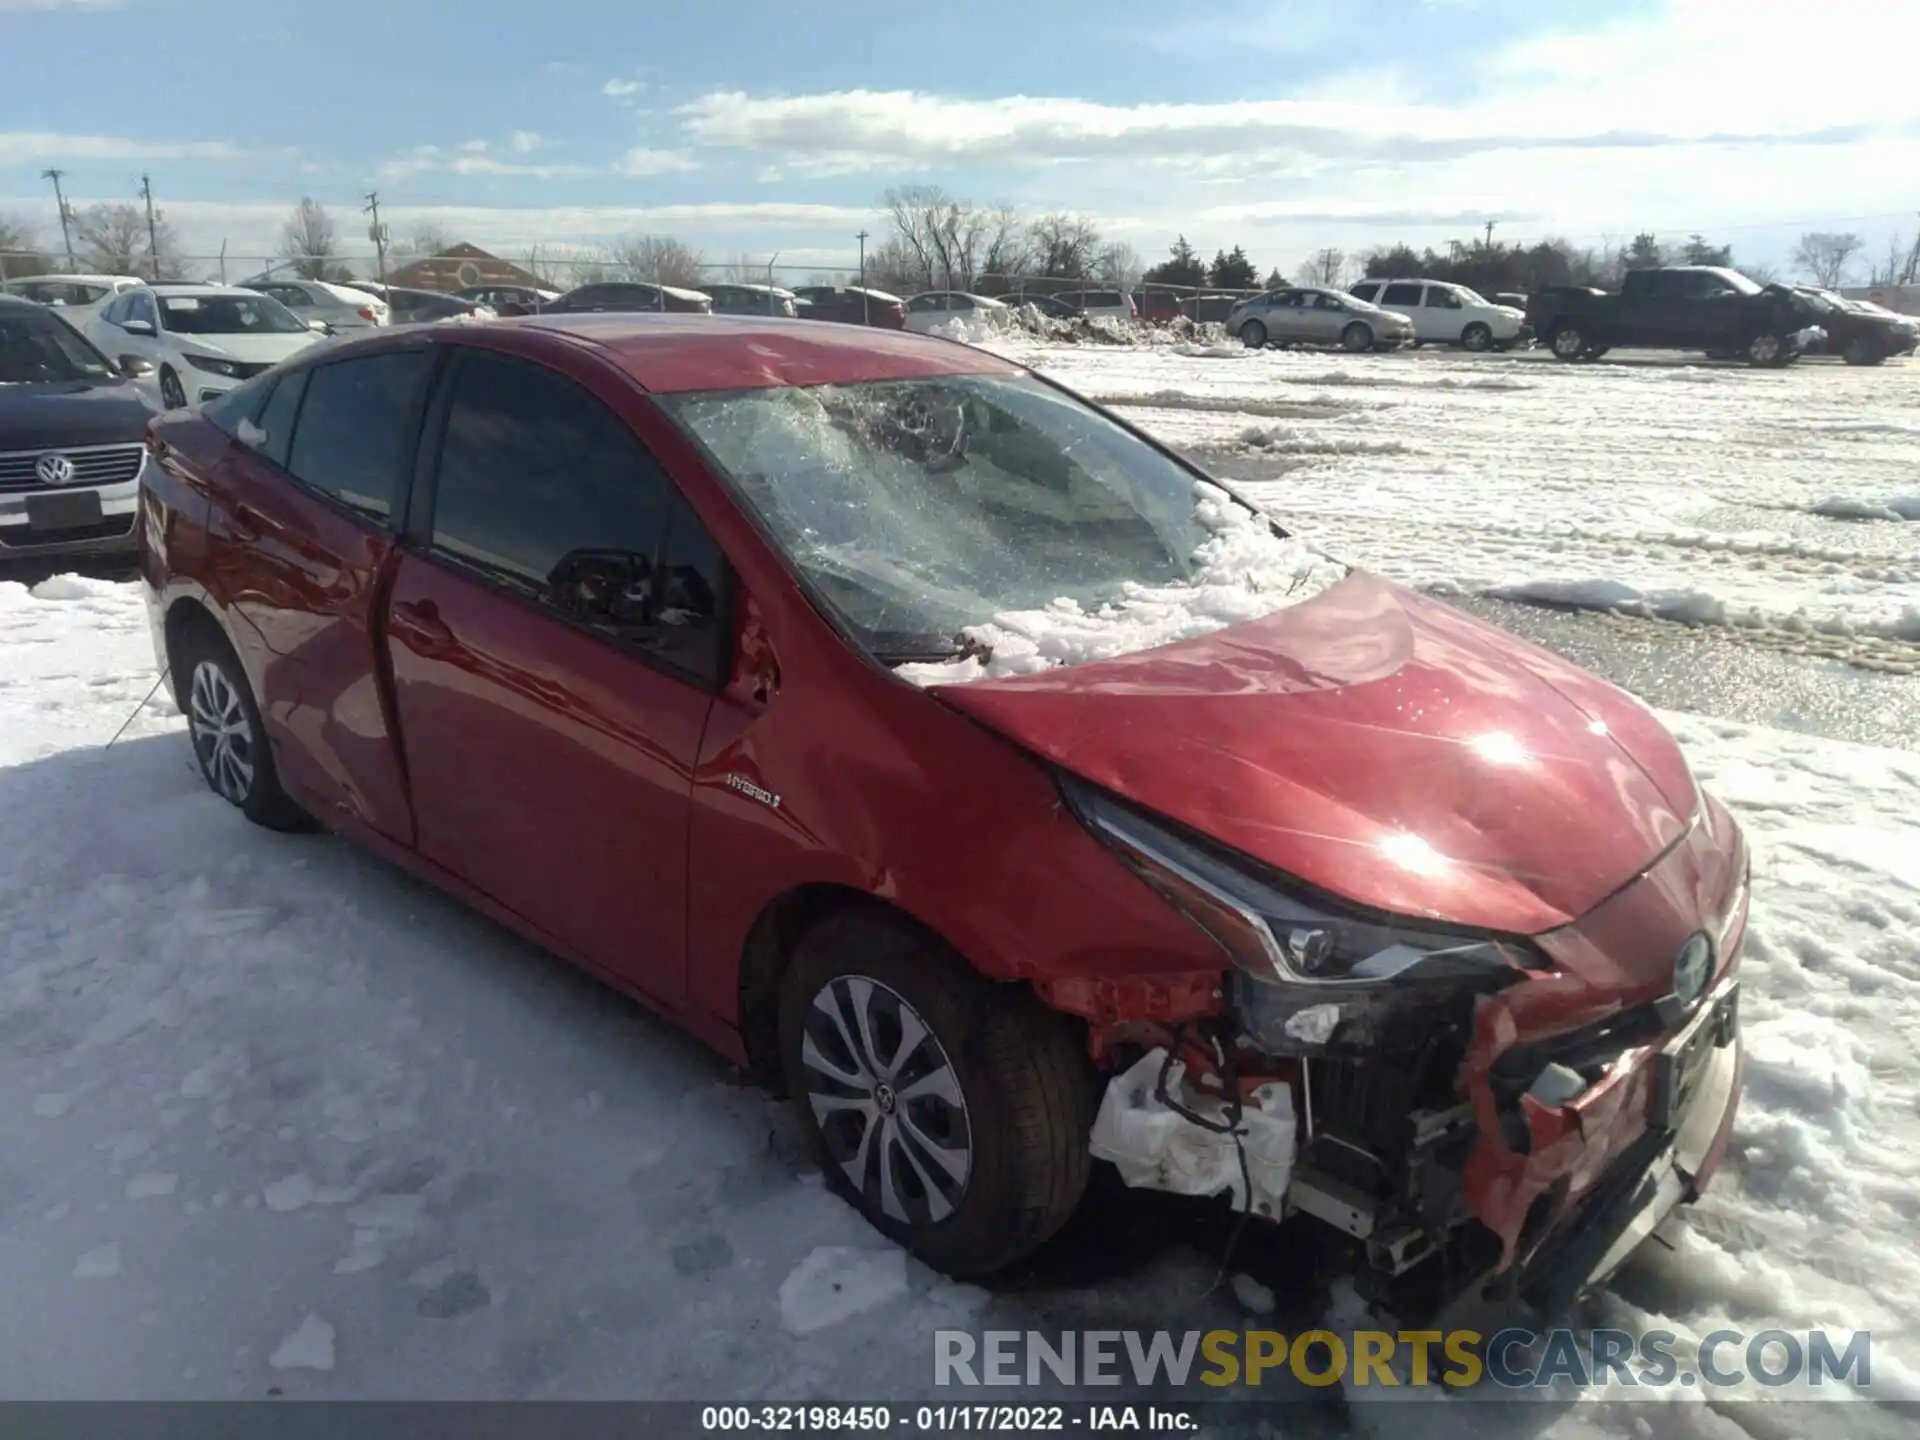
(747, 128)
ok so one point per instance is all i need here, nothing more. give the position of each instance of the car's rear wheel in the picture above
(1570, 341)
(1477, 336)
(1356, 337)
(951, 1112)
(1253, 335)
(1861, 350)
(173, 394)
(229, 742)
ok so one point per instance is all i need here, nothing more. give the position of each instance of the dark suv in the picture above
(72, 439)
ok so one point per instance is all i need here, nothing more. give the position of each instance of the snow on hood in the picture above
(1243, 570)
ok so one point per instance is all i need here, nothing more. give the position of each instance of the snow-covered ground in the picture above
(273, 1115)
(1684, 489)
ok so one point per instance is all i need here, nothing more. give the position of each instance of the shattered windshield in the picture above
(924, 509)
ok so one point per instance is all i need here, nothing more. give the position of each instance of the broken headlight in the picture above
(1270, 934)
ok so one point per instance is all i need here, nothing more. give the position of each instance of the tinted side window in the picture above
(1401, 295)
(237, 412)
(1366, 291)
(547, 489)
(353, 428)
(272, 433)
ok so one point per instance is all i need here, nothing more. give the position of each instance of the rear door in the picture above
(1283, 317)
(556, 640)
(1405, 299)
(301, 527)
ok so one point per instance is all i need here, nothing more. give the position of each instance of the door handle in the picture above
(419, 621)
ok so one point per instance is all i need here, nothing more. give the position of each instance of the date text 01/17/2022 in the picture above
(939, 1419)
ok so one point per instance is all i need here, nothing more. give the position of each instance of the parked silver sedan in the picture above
(1309, 315)
(341, 307)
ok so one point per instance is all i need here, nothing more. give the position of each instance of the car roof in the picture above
(672, 353)
(72, 277)
(197, 288)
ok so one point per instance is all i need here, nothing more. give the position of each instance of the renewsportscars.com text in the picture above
(1512, 1359)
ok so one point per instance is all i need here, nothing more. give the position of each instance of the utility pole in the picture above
(377, 233)
(153, 230)
(66, 217)
(1489, 237)
(866, 304)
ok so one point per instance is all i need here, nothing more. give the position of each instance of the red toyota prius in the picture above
(918, 734)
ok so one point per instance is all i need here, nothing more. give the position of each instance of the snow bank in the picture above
(1243, 570)
(1848, 507)
(1301, 440)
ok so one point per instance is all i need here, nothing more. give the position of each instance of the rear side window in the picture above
(544, 487)
(1366, 291)
(1401, 295)
(351, 438)
(272, 432)
(238, 411)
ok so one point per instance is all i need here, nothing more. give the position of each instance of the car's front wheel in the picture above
(1253, 335)
(1769, 352)
(1357, 337)
(1570, 342)
(1477, 336)
(951, 1112)
(173, 394)
(229, 742)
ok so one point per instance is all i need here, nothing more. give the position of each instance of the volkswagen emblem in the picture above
(54, 469)
(1692, 969)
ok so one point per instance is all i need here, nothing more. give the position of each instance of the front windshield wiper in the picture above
(931, 650)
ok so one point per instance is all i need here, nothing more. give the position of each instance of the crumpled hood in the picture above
(1380, 746)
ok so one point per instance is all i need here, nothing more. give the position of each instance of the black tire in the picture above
(1861, 350)
(1356, 337)
(173, 395)
(1028, 1094)
(1570, 341)
(1477, 337)
(1767, 351)
(1253, 335)
(212, 686)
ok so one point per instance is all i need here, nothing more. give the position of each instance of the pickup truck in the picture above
(1678, 307)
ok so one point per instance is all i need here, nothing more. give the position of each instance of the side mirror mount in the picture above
(134, 368)
(137, 327)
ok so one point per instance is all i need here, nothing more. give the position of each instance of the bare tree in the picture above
(1118, 264)
(115, 239)
(742, 269)
(1323, 267)
(309, 240)
(1065, 246)
(1824, 255)
(658, 260)
(1761, 274)
(1891, 271)
(422, 242)
(946, 239)
(895, 265)
(20, 252)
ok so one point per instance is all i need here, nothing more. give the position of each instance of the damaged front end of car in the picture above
(1481, 1118)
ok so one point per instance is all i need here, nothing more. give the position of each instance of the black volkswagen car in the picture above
(72, 440)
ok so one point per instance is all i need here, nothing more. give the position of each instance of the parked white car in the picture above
(202, 340)
(1101, 304)
(78, 298)
(933, 308)
(341, 307)
(1446, 314)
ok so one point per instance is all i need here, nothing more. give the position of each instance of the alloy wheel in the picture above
(1478, 337)
(887, 1100)
(1568, 343)
(1764, 349)
(222, 737)
(172, 395)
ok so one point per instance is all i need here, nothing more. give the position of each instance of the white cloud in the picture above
(643, 161)
(472, 157)
(22, 147)
(619, 89)
(525, 142)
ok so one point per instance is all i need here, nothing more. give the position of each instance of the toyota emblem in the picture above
(54, 469)
(1692, 969)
